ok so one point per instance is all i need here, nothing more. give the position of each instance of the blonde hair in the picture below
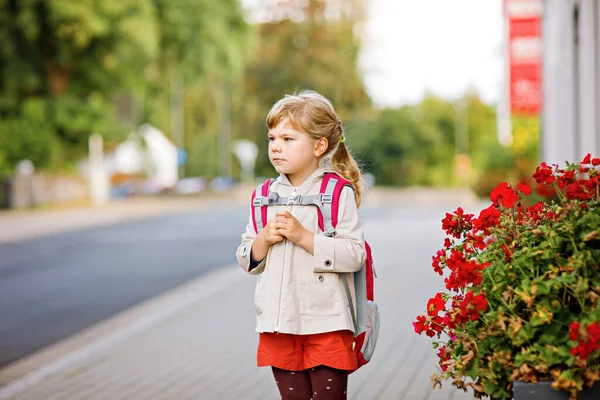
(313, 114)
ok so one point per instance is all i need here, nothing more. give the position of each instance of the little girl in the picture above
(303, 318)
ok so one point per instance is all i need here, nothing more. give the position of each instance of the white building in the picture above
(570, 80)
(148, 151)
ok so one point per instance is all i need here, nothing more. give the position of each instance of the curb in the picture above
(34, 368)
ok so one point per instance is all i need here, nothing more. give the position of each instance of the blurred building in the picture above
(522, 92)
(148, 152)
(147, 162)
(570, 80)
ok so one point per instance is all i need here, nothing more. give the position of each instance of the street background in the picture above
(132, 133)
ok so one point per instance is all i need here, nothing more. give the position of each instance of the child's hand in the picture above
(270, 234)
(287, 225)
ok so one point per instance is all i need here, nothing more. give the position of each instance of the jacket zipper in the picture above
(283, 270)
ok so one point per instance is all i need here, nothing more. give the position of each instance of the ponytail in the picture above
(344, 164)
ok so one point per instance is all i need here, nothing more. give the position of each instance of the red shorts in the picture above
(301, 352)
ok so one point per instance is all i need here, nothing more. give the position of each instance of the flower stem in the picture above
(575, 251)
(561, 195)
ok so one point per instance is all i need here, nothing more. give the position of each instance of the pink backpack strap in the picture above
(370, 273)
(259, 205)
(330, 191)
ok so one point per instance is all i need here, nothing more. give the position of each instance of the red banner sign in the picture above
(525, 56)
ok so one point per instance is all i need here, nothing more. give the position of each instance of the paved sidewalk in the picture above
(198, 342)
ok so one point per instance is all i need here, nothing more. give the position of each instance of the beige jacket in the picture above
(297, 292)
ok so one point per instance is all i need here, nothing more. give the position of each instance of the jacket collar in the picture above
(312, 178)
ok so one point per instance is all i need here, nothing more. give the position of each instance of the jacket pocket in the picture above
(322, 295)
(259, 294)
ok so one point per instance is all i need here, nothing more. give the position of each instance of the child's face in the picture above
(293, 152)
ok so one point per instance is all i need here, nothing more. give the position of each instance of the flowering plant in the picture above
(523, 288)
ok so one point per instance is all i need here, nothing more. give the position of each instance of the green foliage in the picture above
(526, 283)
(50, 47)
(60, 64)
(421, 140)
(21, 139)
(63, 62)
(513, 163)
(206, 45)
(202, 38)
(397, 141)
(75, 119)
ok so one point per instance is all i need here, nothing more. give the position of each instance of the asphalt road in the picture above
(54, 286)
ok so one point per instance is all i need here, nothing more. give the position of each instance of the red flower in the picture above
(471, 306)
(521, 187)
(566, 179)
(464, 272)
(457, 223)
(453, 283)
(586, 159)
(535, 212)
(574, 330)
(443, 356)
(543, 174)
(435, 305)
(488, 218)
(430, 332)
(590, 184)
(504, 194)
(545, 191)
(437, 324)
(497, 192)
(476, 241)
(448, 321)
(436, 264)
(480, 302)
(590, 341)
(420, 324)
(507, 251)
(575, 191)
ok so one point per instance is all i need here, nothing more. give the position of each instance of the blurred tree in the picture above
(51, 47)
(21, 139)
(65, 59)
(480, 119)
(74, 57)
(401, 148)
(201, 39)
(204, 47)
(515, 163)
(417, 144)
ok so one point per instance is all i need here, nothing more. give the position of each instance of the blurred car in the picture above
(222, 183)
(191, 185)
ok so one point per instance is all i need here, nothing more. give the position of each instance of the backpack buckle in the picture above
(326, 198)
(297, 199)
(273, 198)
(257, 201)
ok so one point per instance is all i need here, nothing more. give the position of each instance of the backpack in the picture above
(366, 316)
